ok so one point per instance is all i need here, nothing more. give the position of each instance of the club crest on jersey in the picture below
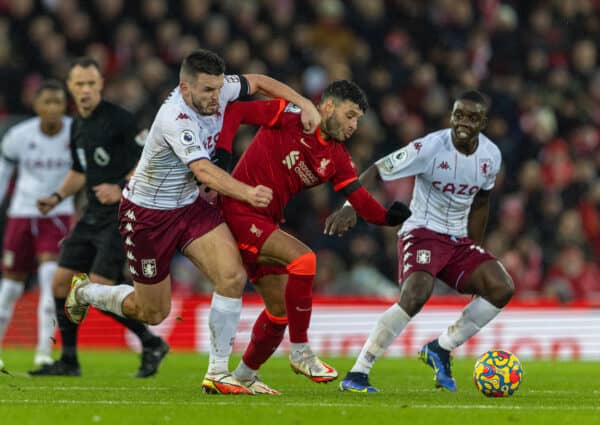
(322, 167)
(423, 256)
(149, 267)
(101, 157)
(484, 165)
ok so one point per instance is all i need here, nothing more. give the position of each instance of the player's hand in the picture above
(208, 194)
(310, 117)
(108, 193)
(45, 205)
(340, 221)
(260, 196)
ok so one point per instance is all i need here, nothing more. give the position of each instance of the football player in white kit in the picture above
(455, 171)
(39, 149)
(161, 210)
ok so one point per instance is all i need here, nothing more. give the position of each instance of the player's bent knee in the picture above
(232, 283)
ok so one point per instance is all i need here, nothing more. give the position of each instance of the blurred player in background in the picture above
(455, 171)
(281, 267)
(162, 210)
(39, 149)
(104, 152)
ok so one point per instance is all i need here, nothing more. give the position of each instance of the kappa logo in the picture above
(132, 271)
(322, 167)
(444, 165)
(130, 215)
(128, 227)
(130, 256)
(406, 268)
(182, 116)
(423, 256)
(149, 267)
(128, 241)
(291, 158)
(255, 230)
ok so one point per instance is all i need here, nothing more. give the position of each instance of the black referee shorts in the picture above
(94, 248)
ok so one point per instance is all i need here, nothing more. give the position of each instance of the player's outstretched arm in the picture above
(217, 179)
(310, 117)
(478, 216)
(72, 184)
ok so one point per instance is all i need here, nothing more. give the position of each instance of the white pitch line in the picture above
(133, 388)
(210, 403)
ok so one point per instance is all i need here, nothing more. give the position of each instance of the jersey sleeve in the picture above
(9, 150)
(346, 176)
(185, 138)
(129, 135)
(495, 167)
(258, 112)
(411, 160)
(235, 87)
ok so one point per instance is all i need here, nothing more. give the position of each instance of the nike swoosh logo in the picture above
(303, 309)
(304, 143)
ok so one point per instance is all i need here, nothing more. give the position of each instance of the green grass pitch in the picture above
(552, 393)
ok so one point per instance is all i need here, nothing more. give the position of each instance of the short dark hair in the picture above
(342, 90)
(203, 61)
(84, 62)
(475, 96)
(50, 84)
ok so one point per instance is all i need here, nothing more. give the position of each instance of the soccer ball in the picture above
(498, 373)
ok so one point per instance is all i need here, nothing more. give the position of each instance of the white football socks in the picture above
(105, 297)
(386, 330)
(475, 316)
(10, 291)
(46, 310)
(223, 321)
(243, 372)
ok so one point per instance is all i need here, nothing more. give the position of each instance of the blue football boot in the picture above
(439, 359)
(357, 382)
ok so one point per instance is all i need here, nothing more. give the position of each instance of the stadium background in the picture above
(538, 62)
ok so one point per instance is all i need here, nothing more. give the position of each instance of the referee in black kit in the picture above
(104, 153)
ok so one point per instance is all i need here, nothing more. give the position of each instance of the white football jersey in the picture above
(178, 136)
(42, 163)
(446, 181)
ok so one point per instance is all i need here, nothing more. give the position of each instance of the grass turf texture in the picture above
(552, 393)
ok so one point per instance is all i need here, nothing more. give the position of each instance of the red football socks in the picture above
(298, 296)
(267, 334)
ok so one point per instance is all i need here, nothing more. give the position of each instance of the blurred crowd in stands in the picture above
(537, 60)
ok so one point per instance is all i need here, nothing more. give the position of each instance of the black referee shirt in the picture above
(103, 147)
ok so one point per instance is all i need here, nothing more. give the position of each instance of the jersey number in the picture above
(211, 141)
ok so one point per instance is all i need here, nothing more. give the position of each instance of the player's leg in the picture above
(415, 292)
(474, 271)
(420, 258)
(16, 266)
(281, 248)
(494, 289)
(68, 363)
(267, 332)
(50, 231)
(46, 311)
(216, 254)
(108, 266)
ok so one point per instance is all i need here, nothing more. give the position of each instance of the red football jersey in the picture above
(283, 157)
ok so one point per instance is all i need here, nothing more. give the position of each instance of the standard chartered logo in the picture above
(291, 159)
